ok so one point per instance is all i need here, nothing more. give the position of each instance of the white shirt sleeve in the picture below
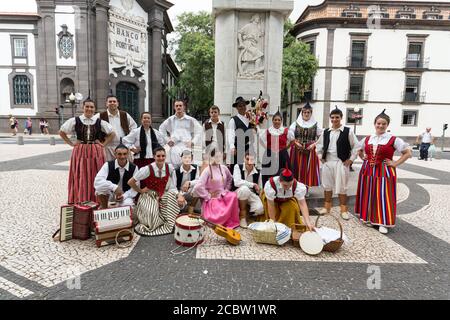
(106, 127)
(68, 127)
(354, 144)
(361, 144)
(290, 135)
(197, 176)
(159, 137)
(231, 133)
(130, 140)
(269, 192)
(400, 145)
(100, 182)
(238, 181)
(171, 186)
(131, 193)
(300, 191)
(163, 130)
(198, 132)
(292, 129)
(131, 123)
(143, 173)
(319, 146)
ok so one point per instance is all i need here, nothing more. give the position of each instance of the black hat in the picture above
(239, 100)
(307, 106)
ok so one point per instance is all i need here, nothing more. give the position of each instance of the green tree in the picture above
(195, 55)
(299, 66)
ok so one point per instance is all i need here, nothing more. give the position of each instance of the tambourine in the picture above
(311, 243)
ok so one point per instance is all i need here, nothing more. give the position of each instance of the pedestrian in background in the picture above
(13, 125)
(43, 124)
(427, 140)
(28, 126)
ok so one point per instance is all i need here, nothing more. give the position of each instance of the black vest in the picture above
(81, 130)
(114, 174)
(180, 175)
(255, 176)
(143, 142)
(240, 125)
(343, 144)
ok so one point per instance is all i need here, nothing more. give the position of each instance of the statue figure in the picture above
(250, 61)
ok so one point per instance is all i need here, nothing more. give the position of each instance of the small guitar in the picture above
(233, 237)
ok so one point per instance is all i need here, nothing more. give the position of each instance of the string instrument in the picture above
(233, 237)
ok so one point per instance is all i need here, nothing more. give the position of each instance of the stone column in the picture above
(328, 78)
(233, 76)
(156, 27)
(101, 54)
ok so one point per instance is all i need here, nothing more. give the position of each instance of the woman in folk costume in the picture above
(283, 199)
(276, 139)
(376, 196)
(304, 160)
(88, 152)
(157, 206)
(220, 205)
(142, 141)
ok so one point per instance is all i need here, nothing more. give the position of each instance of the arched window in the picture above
(22, 90)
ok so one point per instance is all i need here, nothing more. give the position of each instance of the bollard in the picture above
(52, 141)
(20, 140)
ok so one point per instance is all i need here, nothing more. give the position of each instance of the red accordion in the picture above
(77, 220)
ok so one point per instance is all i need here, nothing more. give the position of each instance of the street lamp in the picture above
(356, 116)
(72, 102)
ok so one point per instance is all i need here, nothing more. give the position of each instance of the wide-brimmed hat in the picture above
(239, 100)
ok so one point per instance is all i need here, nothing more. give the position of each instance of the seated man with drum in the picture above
(185, 178)
(157, 207)
(283, 199)
(247, 180)
(111, 182)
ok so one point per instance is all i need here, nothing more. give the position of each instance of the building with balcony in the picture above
(376, 55)
(55, 48)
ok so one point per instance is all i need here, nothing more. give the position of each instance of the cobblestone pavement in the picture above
(412, 260)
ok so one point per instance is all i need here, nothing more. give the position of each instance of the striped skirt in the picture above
(86, 161)
(305, 166)
(376, 196)
(156, 216)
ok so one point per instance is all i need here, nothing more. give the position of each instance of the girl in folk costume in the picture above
(276, 139)
(284, 198)
(376, 196)
(157, 206)
(220, 205)
(88, 152)
(143, 141)
(304, 160)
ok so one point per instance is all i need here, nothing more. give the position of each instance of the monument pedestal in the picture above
(248, 51)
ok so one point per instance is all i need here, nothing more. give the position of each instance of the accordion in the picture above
(76, 221)
(113, 225)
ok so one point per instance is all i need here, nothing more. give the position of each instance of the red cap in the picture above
(286, 175)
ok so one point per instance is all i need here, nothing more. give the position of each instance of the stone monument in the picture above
(248, 51)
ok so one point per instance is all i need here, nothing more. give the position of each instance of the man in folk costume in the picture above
(214, 131)
(111, 182)
(247, 180)
(185, 178)
(240, 133)
(143, 140)
(88, 154)
(121, 122)
(338, 146)
(304, 161)
(180, 132)
(157, 207)
(284, 199)
(376, 195)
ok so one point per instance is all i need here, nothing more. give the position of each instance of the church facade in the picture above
(61, 51)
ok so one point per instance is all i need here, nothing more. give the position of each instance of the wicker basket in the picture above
(297, 230)
(336, 244)
(269, 237)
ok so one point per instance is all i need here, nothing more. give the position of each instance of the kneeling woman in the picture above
(88, 152)
(283, 198)
(220, 205)
(376, 196)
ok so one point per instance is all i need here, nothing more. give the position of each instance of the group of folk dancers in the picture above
(115, 160)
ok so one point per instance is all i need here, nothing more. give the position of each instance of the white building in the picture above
(376, 55)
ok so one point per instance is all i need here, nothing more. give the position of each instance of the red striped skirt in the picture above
(305, 166)
(86, 161)
(376, 196)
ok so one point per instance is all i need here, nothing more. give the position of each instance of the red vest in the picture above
(155, 183)
(382, 153)
(282, 141)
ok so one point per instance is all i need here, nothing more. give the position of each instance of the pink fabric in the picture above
(223, 207)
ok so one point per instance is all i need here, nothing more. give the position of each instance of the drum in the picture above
(189, 231)
(311, 243)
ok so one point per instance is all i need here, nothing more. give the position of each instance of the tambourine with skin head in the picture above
(311, 243)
